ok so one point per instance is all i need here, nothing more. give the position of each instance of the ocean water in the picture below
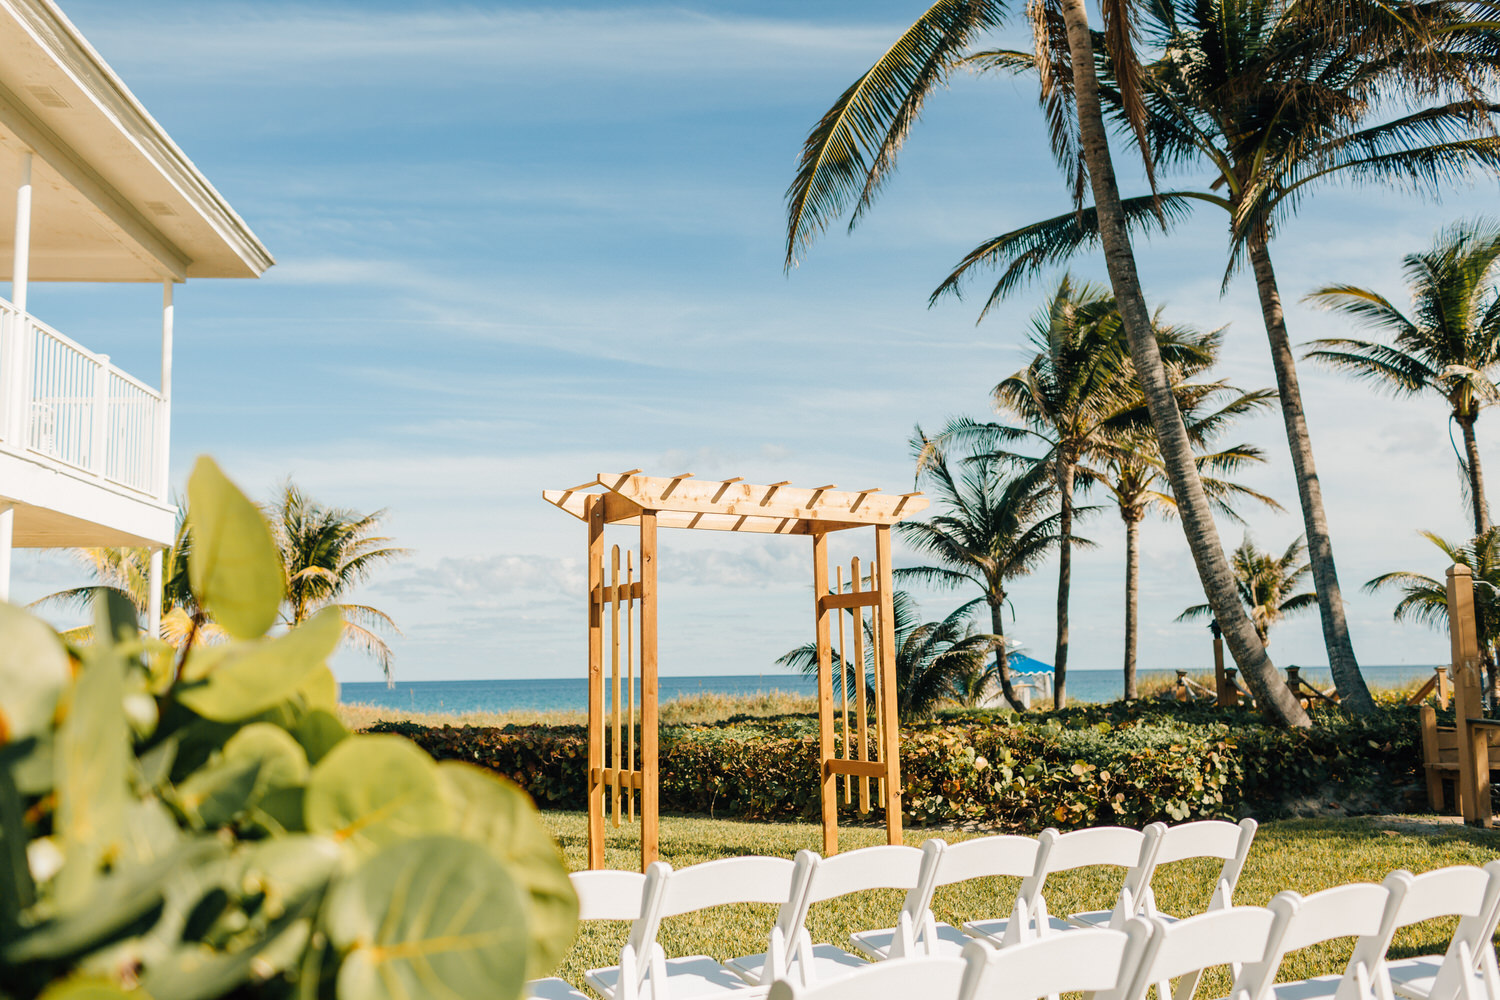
(571, 693)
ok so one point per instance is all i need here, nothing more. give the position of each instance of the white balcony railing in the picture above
(62, 401)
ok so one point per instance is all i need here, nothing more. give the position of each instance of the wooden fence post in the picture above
(594, 512)
(1473, 742)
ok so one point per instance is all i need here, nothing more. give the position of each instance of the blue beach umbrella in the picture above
(1022, 664)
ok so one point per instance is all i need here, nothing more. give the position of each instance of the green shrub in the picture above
(186, 827)
(1123, 763)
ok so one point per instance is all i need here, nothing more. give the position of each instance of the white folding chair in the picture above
(645, 972)
(1467, 969)
(1003, 854)
(1362, 910)
(602, 895)
(1133, 850)
(1235, 937)
(898, 979)
(884, 867)
(1099, 962)
(1210, 838)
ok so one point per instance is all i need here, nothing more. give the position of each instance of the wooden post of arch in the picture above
(623, 767)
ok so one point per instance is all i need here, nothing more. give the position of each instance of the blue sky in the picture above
(521, 244)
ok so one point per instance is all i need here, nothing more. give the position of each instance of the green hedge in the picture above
(1128, 764)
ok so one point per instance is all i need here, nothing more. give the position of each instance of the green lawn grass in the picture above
(1305, 855)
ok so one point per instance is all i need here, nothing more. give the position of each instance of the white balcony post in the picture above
(153, 595)
(164, 414)
(7, 533)
(17, 362)
(100, 416)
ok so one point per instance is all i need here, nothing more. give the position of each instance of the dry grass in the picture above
(703, 707)
(1159, 682)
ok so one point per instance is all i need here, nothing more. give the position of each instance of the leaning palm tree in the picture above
(327, 552)
(1073, 399)
(1134, 477)
(852, 149)
(1260, 94)
(935, 661)
(989, 526)
(1449, 347)
(1424, 600)
(1267, 585)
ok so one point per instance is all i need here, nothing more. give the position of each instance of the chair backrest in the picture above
(1361, 910)
(1237, 935)
(608, 895)
(1133, 850)
(894, 979)
(669, 893)
(889, 866)
(1472, 895)
(1002, 854)
(1096, 961)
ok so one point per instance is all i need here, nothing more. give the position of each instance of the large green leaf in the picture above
(493, 811)
(234, 567)
(251, 677)
(433, 917)
(214, 795)
(88, 989)
(319, 732)
(90, 772)
(372, 790)
(283, 764)
(33, 673)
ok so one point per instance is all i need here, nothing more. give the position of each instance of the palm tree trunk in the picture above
(1002, 658)
(1064, 473)
(1476, 475)
(1341, 661)
(1192, 503)
(1132, 520)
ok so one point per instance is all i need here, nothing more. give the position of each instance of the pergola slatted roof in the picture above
(734, 505)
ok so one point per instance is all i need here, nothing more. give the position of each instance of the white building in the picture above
(101, 193)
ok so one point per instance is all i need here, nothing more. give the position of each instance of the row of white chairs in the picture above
(1372, 913)
(1146, 952)
(645, 973)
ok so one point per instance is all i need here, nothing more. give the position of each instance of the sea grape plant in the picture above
(198, 824)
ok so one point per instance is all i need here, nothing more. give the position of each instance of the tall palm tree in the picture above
(1450, 347)
(1074, 398)
(988, 528)
(1135, 479)
(1424, 600)
(935, 661)
(1270, 101)
(851, 150)
(327, 552)
(1266, 584)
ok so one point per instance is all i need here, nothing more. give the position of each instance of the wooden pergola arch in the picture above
(622, 766)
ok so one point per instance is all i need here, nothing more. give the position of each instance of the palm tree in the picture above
(1266, 584)
(1449, 348)
(1266, 98)
(128, 571)
(327, 552)
(1424, 600)
(987, 530)
(1134, 477)
(851, 150)
(1075, 397)
(935, 661)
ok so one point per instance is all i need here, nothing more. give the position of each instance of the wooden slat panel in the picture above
(617, 594)
(798, 502)
(868, 599)
(614, 677)
(866, 768)
(611, 775)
